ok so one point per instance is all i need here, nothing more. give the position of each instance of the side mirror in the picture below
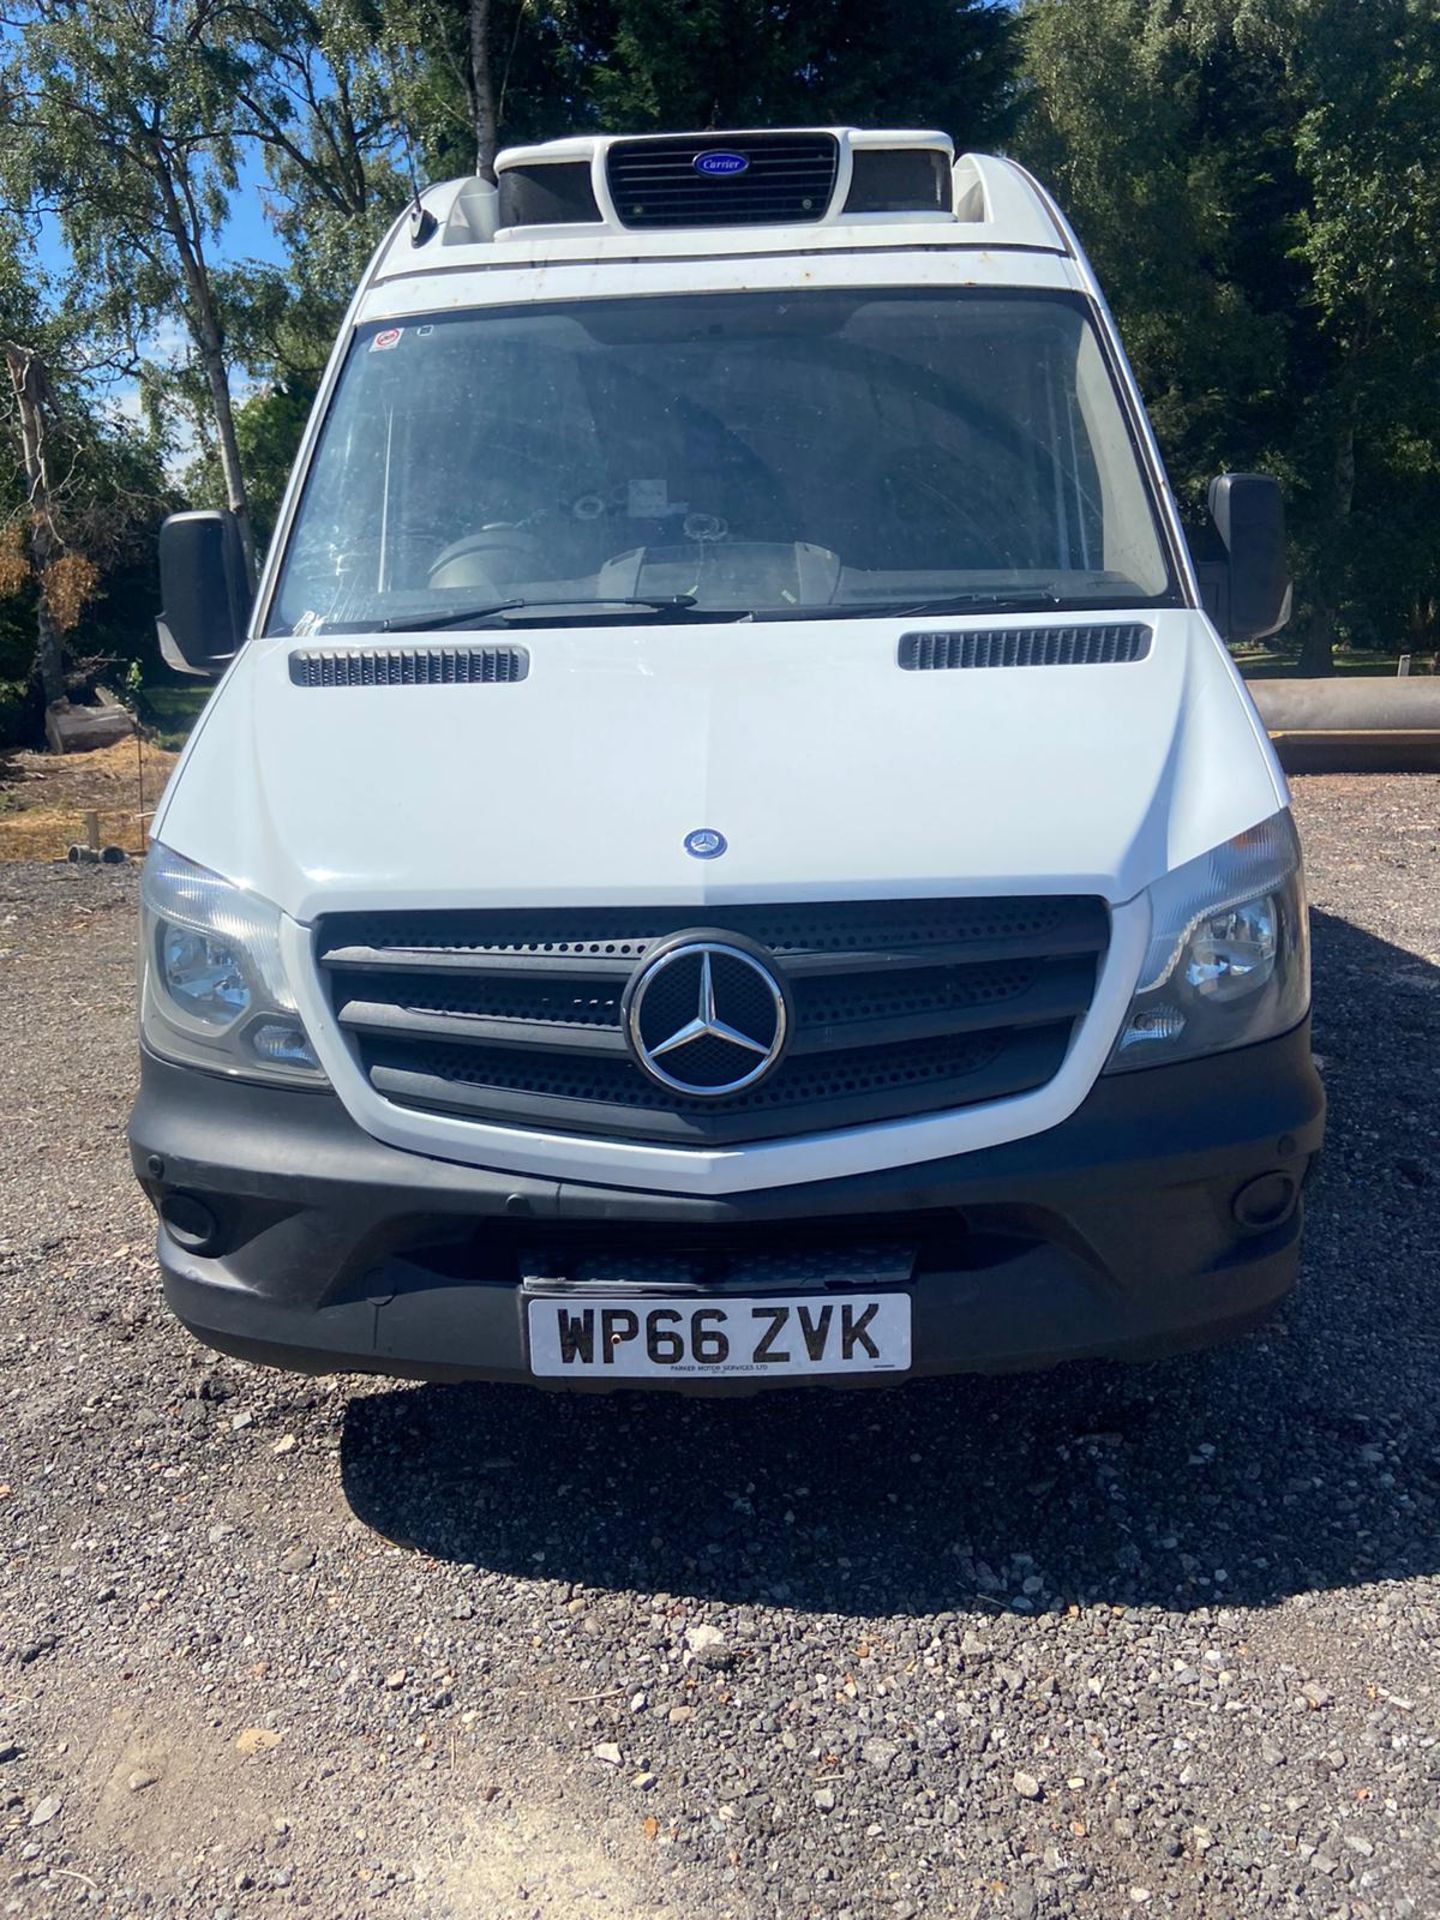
(1247, 590)
(205, 590)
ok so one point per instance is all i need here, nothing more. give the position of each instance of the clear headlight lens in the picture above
(213, 992)
(1229, 956)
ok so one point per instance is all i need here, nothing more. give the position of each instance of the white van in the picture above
(728, 848)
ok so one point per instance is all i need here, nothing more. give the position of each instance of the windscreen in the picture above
(771, 454)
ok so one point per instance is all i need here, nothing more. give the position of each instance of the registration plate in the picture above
(644, 1338)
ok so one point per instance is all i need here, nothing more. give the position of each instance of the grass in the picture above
(1265, 663)
(170, 712)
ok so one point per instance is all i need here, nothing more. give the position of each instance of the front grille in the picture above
(786, 178)
(899, 1008)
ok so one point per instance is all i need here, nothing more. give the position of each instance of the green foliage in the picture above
(338, 92)
(737, 63)
(268, 426)
(169, 712)
(1258, 182)
(323, 96)
(113, 111)
(22, 714)
(108, 495)
(1151, 142)
(542, 61)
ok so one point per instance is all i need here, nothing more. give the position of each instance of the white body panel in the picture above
(916, 262)
(832, 774)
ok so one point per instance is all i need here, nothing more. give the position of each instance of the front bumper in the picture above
(1164, 1214)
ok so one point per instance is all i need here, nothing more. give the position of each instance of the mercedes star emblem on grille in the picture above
(706, 1017)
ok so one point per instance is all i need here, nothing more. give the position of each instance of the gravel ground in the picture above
(1161, 1641)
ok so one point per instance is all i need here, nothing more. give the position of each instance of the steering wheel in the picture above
(493, 556)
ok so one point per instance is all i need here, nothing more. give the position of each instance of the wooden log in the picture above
(72, 729)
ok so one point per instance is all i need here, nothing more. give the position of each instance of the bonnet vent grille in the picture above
(408, 666)
(715, 180)
(1026, 647)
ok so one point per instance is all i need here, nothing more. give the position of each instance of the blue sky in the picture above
(247, 234)
(248, 237)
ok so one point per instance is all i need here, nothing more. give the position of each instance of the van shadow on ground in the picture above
(1306, 1457)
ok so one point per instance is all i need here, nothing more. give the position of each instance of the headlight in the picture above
(1229, 955)
(213, 992)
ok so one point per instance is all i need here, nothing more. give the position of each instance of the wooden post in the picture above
(92, 831)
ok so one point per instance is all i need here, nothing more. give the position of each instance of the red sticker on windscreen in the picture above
(386, 338)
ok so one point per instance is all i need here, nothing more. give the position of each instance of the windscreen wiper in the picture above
(467, 616)
(1017, 600)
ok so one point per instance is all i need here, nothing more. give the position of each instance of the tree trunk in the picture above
(1317, 649)
(209, 338)
(481, 83)
(213, 357)
(49, 654)
(27, 377)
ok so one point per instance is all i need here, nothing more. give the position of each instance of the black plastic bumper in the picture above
(1164, 1214)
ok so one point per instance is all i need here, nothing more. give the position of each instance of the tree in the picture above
(1367, 149)
(120, 116)
(36, 414)
(81, 494)
(1149, 135)
(480, 87)
(467, 76)
(1257, 183)
(68, 509)
(268, 425)
(319, 95)
(471, 75)
(28, 535)
(739, 63)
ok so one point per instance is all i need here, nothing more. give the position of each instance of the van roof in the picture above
(606, 197)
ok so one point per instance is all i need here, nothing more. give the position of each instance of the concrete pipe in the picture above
(1352, 723)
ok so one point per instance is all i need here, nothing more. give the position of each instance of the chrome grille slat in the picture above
(1021, 947)
(465, 961)
(1048, 930)
(977, 1067)
(1055, 994)
(900, 1007)
(472, 1029)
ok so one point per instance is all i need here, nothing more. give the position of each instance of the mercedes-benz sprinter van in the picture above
(729, 847)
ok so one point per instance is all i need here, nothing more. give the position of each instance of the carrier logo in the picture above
(720, 165)
(706, 1017)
